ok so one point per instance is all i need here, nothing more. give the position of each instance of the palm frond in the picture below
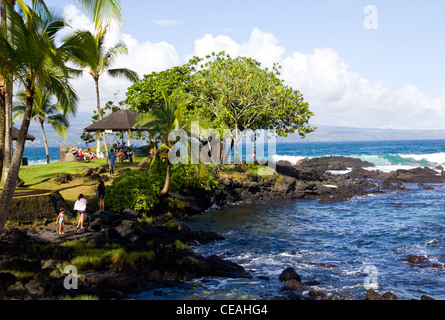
(124, 73)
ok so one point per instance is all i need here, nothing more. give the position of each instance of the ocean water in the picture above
(341, 248)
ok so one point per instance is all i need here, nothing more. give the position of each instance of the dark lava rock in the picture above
(293, 285)
(389, 296)
(289, 274)
(373, 295)
(6, 279)
(415, 259)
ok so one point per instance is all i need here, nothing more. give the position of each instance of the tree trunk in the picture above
(2, 133)
(6, 144)
(8, 132)
(164, 191)
(2, 98)
(11, 180)
(45, 141)
(96, 81)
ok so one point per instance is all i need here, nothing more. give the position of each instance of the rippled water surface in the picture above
(339, 248)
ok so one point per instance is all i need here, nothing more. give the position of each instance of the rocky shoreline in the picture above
(133, 254)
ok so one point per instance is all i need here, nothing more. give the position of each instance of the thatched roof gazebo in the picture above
(123, 120)
(15, 135)
(120, 121)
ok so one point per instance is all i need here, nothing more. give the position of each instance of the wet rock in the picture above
(389, 296)
(225, 268)
(415, 259)
(373, 295)
(316, 294)
(293, 285)
(425, 297)
(289, 274)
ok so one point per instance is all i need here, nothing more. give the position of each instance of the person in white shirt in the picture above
(81, 207)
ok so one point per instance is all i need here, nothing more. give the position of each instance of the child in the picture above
(61, 219)
(81, 206)
(101, 194)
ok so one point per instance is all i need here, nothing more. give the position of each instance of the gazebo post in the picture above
(98, 153)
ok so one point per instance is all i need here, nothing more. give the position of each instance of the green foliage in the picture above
(172, 223)
(146, 95)
(182, 246)
(195, 175)
(134, 190)
(174, 203)
(238, 93)
(92, 259)
(82, 297)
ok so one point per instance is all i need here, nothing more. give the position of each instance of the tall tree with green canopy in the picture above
(30, 54)
(238, 94)
(45, 110)
(89, 52)
(163, 120)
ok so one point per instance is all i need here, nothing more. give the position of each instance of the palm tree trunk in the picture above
(8, 132)
(164, 191)
(2, 133)
(3, 100)
(7, 145)
(11, 180)
(45, 141)
(96, 81)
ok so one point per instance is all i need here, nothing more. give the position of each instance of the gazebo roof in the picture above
(123, 120)
(15, 135)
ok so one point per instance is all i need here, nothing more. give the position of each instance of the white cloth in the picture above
(80, 205)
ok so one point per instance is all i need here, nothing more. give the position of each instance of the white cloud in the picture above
(261, 46)
(143, 58)
(336, 94)
(339, 96)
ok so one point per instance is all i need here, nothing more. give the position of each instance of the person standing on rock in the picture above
(61, 220)
(81, 207)
(101, 195)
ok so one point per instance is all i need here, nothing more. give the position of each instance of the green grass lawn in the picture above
(39, 178)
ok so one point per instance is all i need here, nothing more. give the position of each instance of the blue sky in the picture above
(389, 77)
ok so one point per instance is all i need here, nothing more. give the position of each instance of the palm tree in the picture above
(90, 53)
(45, 111)
(163, 120)
(29, 53)
(102, 12)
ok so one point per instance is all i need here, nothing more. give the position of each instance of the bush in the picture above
(133, 190)
(196, 175)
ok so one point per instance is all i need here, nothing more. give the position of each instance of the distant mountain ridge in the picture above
(322, 134)
(336, 133)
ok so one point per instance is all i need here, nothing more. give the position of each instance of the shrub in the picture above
(196, 175)
(134, 190)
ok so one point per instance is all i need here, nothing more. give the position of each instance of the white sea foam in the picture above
(291, 159)
(435, 158)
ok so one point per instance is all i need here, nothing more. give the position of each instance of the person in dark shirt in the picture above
(101, 195)
(112, 161)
